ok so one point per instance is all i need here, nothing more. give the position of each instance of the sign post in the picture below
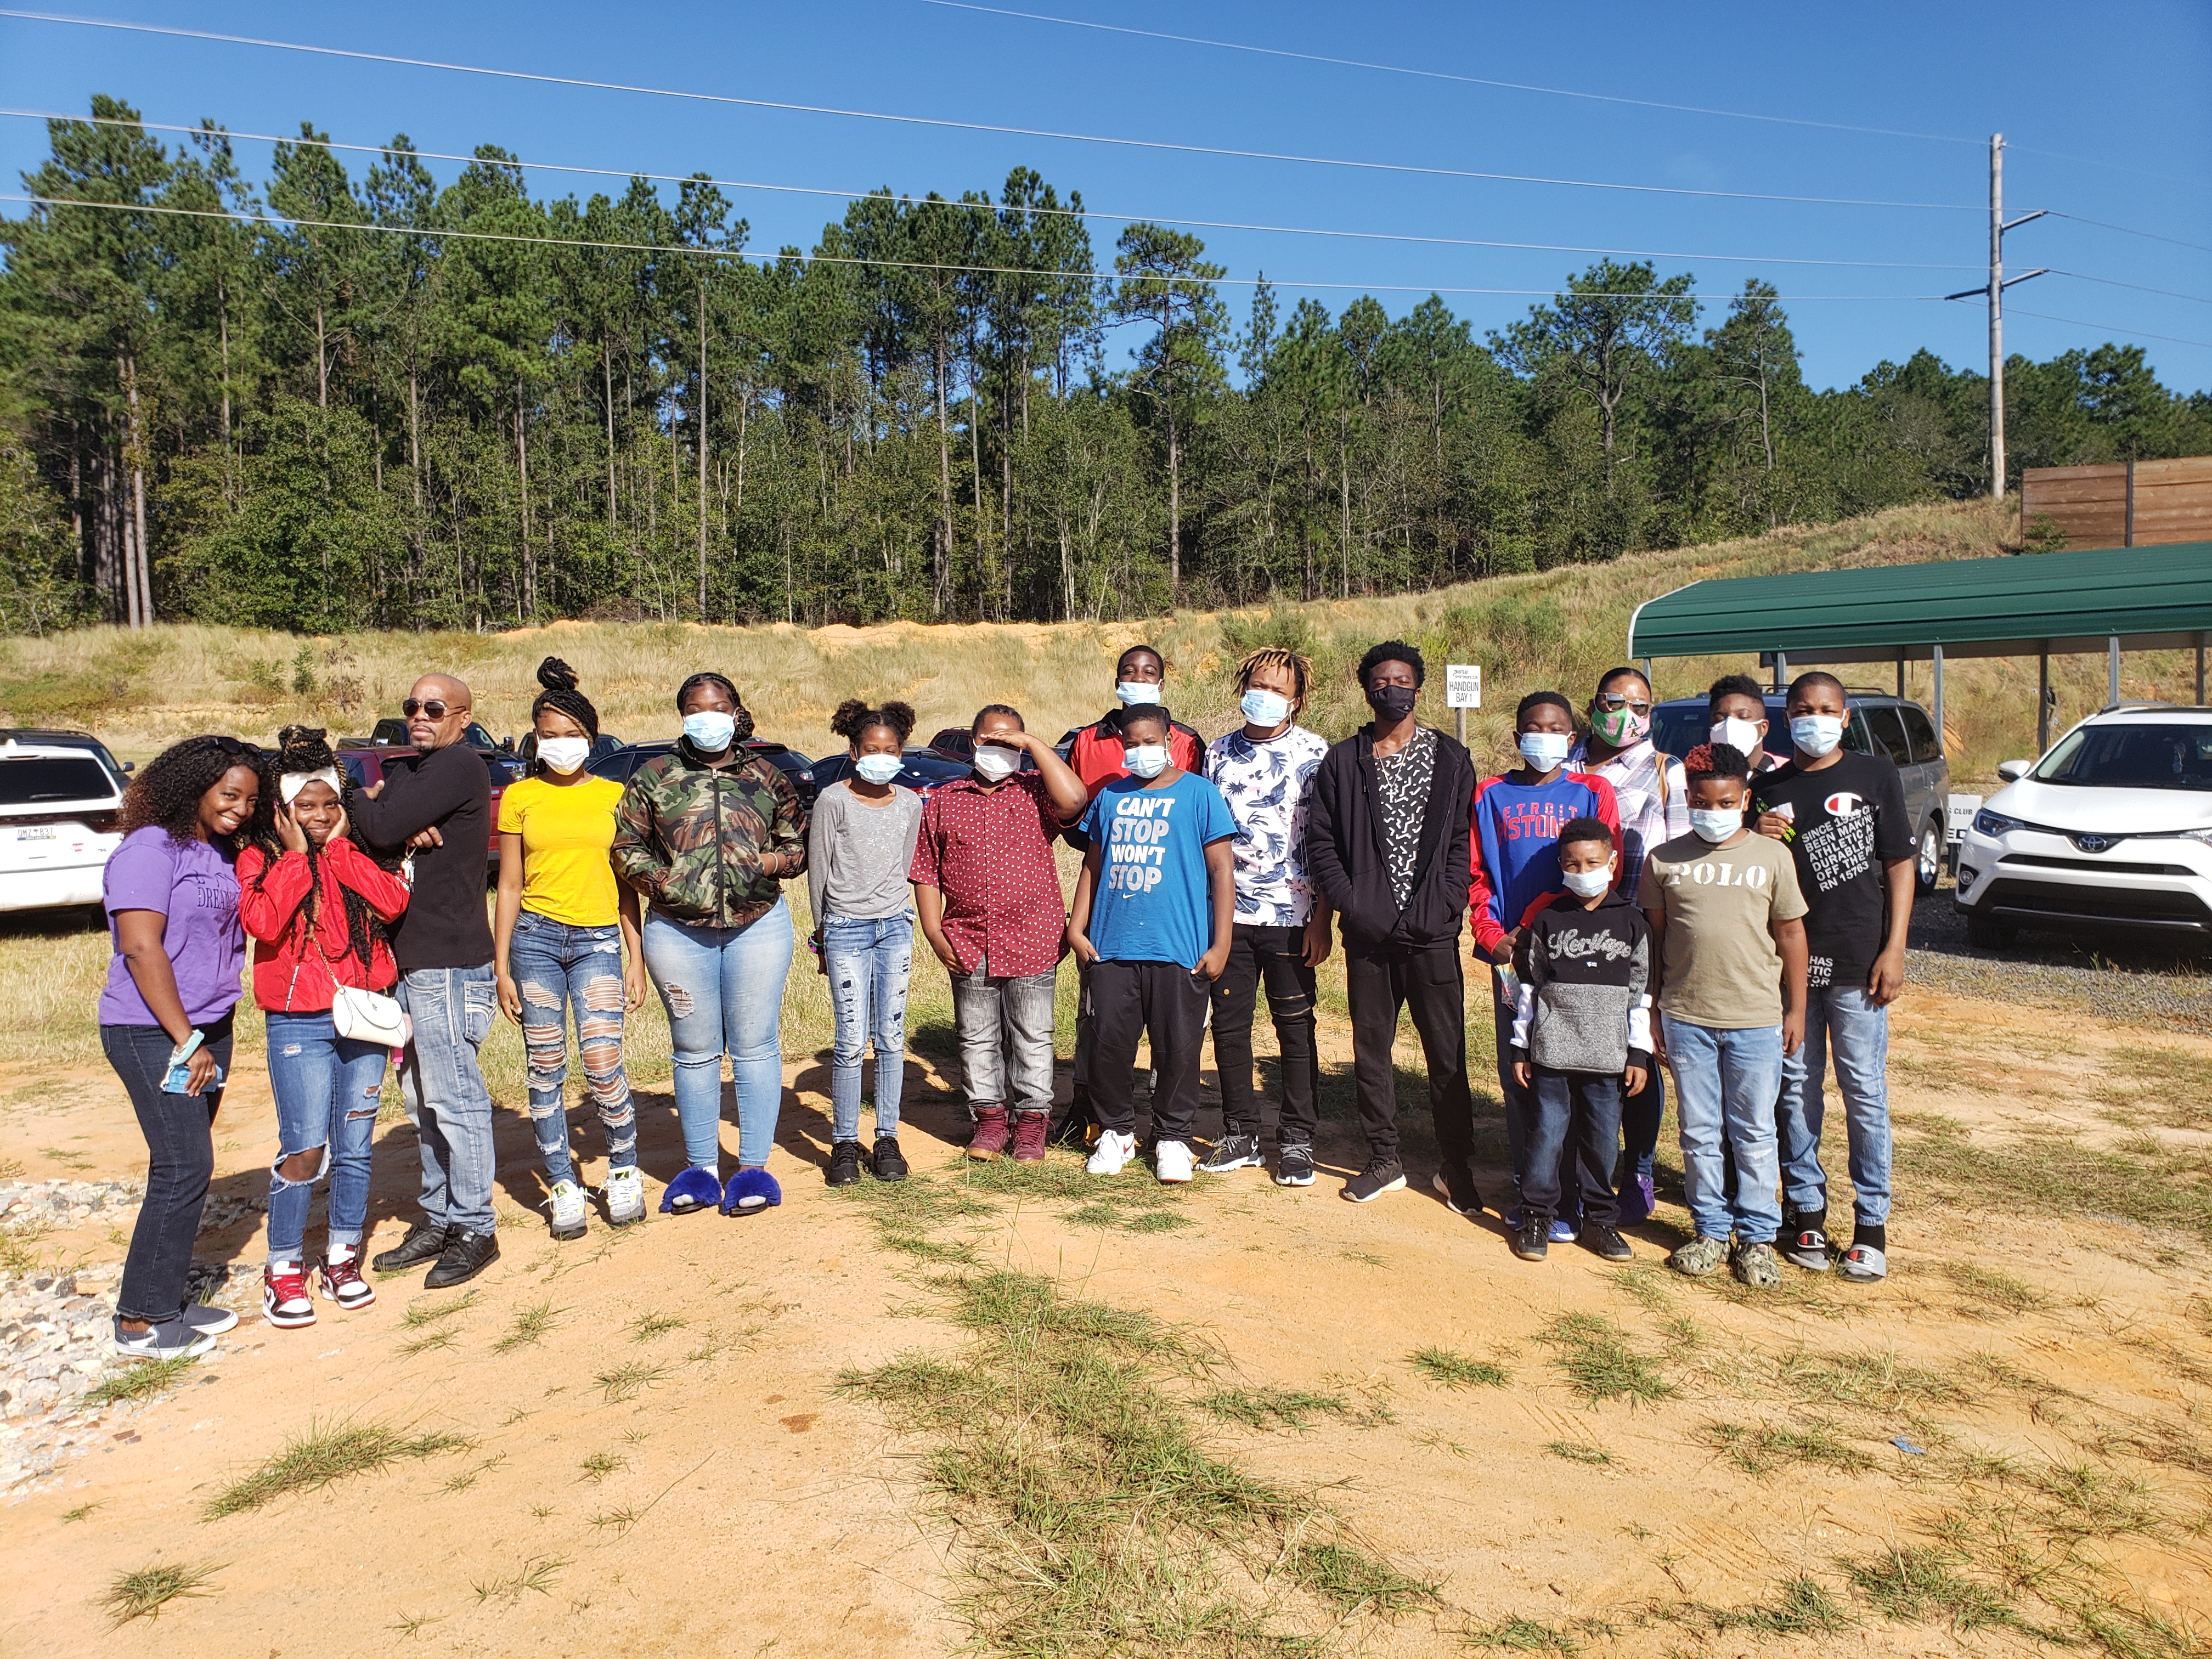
(1463, 691)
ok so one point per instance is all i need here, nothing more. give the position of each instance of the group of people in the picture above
(1754, 902)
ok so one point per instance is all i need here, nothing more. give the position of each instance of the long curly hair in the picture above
(307, 749)
(167, 792)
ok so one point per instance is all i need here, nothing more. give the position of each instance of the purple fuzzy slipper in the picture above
(750, 1192)
(694, 1189)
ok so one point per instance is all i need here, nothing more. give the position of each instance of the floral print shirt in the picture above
(1265, 786)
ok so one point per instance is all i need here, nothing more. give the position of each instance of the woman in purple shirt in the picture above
(166, 1013)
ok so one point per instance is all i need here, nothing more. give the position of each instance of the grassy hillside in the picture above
(1560, 628)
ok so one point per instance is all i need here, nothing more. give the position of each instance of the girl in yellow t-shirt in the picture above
(565, 937)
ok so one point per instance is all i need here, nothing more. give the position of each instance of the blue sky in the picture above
(2109, 114)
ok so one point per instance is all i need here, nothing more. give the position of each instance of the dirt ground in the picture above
(671, 1467)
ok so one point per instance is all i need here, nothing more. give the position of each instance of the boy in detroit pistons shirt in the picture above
(1152, 915)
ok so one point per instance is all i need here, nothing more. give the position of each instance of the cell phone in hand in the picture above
(178, 1078)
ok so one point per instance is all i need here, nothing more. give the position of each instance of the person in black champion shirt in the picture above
(437, 801)
(1843, 816)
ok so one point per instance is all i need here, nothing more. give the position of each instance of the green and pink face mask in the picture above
(1623, 728)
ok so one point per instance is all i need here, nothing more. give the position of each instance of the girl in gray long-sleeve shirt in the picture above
(859, 846)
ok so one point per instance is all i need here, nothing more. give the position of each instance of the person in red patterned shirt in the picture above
(987, 890)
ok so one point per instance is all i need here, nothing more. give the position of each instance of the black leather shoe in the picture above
(466, 1255)
(425, 1240)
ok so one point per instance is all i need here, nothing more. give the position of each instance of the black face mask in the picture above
(1392, 703)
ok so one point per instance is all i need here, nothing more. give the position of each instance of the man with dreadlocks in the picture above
(316, 906)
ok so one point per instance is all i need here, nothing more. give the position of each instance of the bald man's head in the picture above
(437, 711)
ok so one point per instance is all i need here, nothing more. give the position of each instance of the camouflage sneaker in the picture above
(1700, 1257)
(1756, 1266)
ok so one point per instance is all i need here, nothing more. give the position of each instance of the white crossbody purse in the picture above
(364, 1015)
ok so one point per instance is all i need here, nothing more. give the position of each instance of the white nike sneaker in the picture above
(1113, 1150)
(568, 1210)
(625, 1195)
(1172, 1162)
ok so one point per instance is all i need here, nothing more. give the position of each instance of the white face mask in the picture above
(1136, 694)
(1545, 750)
(710, 730)
(564, 755)
(994, 763)
(1146, 760)
(1587, 884)
(1715, 825)
(1264, 708)
(1742, 736)
(879, 768)
(1816, 734)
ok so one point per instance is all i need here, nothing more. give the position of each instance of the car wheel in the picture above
(1988, 933)
(1928, 863)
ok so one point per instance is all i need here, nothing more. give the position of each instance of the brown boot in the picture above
(1030, 1132)
(990, 1137)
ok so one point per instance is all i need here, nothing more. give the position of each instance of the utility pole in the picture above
(1993, 291)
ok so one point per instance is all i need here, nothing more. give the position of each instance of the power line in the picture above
(947, 124)
(1441, 75)
(767, 260)
(2124, 230)
(2114, 281)
(2132, 333)
(989, 207)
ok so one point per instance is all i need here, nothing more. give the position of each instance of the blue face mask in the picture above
(1715, 825)
(710, 730)
(1264, 708)
(879, 768)
(1136, 694)
(1816, 734)
(1545, 750)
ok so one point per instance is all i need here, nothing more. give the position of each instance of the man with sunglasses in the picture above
(437, 802)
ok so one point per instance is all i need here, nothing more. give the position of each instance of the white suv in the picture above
(60, 809)
(2112, 829)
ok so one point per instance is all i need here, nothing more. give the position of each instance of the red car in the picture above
(364, 763)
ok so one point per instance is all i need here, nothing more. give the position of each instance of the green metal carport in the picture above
(2112, 599)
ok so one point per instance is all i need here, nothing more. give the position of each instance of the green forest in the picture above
(321, 402)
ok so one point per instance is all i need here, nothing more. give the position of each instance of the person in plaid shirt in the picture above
(986, 891)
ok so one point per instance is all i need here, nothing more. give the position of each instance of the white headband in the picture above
(289, 784)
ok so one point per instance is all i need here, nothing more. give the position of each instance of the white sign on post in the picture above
(1463, 685)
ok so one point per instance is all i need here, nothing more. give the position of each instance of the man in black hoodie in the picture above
(438, 801)
(1387, 845)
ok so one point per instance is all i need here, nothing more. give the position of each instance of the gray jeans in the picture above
(1005, 1038)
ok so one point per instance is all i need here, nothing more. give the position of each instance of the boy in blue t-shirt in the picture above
(1151, 920)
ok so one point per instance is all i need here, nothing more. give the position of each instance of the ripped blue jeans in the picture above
(328, 1089)
(867, 963)
(560, 969)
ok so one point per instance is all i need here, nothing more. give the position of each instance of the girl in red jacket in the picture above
(316, 907)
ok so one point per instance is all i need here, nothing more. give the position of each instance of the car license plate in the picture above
(35, 832)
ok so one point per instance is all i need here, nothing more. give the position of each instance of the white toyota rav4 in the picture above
(2112, 829)
(59, 811)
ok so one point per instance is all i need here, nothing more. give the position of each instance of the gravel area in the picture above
(2121, 977)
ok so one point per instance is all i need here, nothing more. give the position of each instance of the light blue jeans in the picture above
(1725, 1083)
(1842, 1023)
(867, 963)
(444, 1088)
(327, 1089)
(723, 988)
(562, 970)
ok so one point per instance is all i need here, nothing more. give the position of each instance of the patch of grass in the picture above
(143, 1593)
(1348, 1577)
(19, 1246)
(647, 1326)
(1923, 1586)
(2058, 1175)
(600, 1464)
(427, 1310)
(1599, 1365)
(82, 1511)
(627, 1382)
(1268, 1408)
(539, 1574)
(141, 1382)
(412, 1625)
(1449, 1370)
(467, 1478)
(1158, 1221)
(1985, 1287)
(1768, 1447)
(66, 1158)
(1575, 1452)
(1518, 1635)
(442, 1336)
(1802, 1607)
(1874, 1380)
(621, 1520)
(323, 1457)
(531, 1324)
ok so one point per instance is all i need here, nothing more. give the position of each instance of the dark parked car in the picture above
(1879, 723)
(957, 743)
(619, 765)
(925, 769)
(365, 765)
(391, 733)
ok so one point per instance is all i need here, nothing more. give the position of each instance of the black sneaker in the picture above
(1079, 1124)
(466, 1255)
(1531, 1241)
(1382, 1175)
(845, 1163)
(1455, 1186)
(890, 1164)
(1600, 1238)
(1294, 1164)
(425, 1241)
(1232, 1152)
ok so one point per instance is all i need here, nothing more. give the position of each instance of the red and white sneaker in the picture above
(342, 1281)
(285, 1302)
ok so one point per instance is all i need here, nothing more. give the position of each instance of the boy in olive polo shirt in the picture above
(1727, 916)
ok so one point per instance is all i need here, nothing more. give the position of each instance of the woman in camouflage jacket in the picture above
(708, 835)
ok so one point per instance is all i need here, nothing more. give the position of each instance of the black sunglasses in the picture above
(436, 708)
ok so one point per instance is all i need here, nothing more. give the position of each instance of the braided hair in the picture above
(708, 676)
(307, 749)
(561, 696)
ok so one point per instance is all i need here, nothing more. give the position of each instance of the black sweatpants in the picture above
(1132, 1000)
(1378, 984)
(1275, 956)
